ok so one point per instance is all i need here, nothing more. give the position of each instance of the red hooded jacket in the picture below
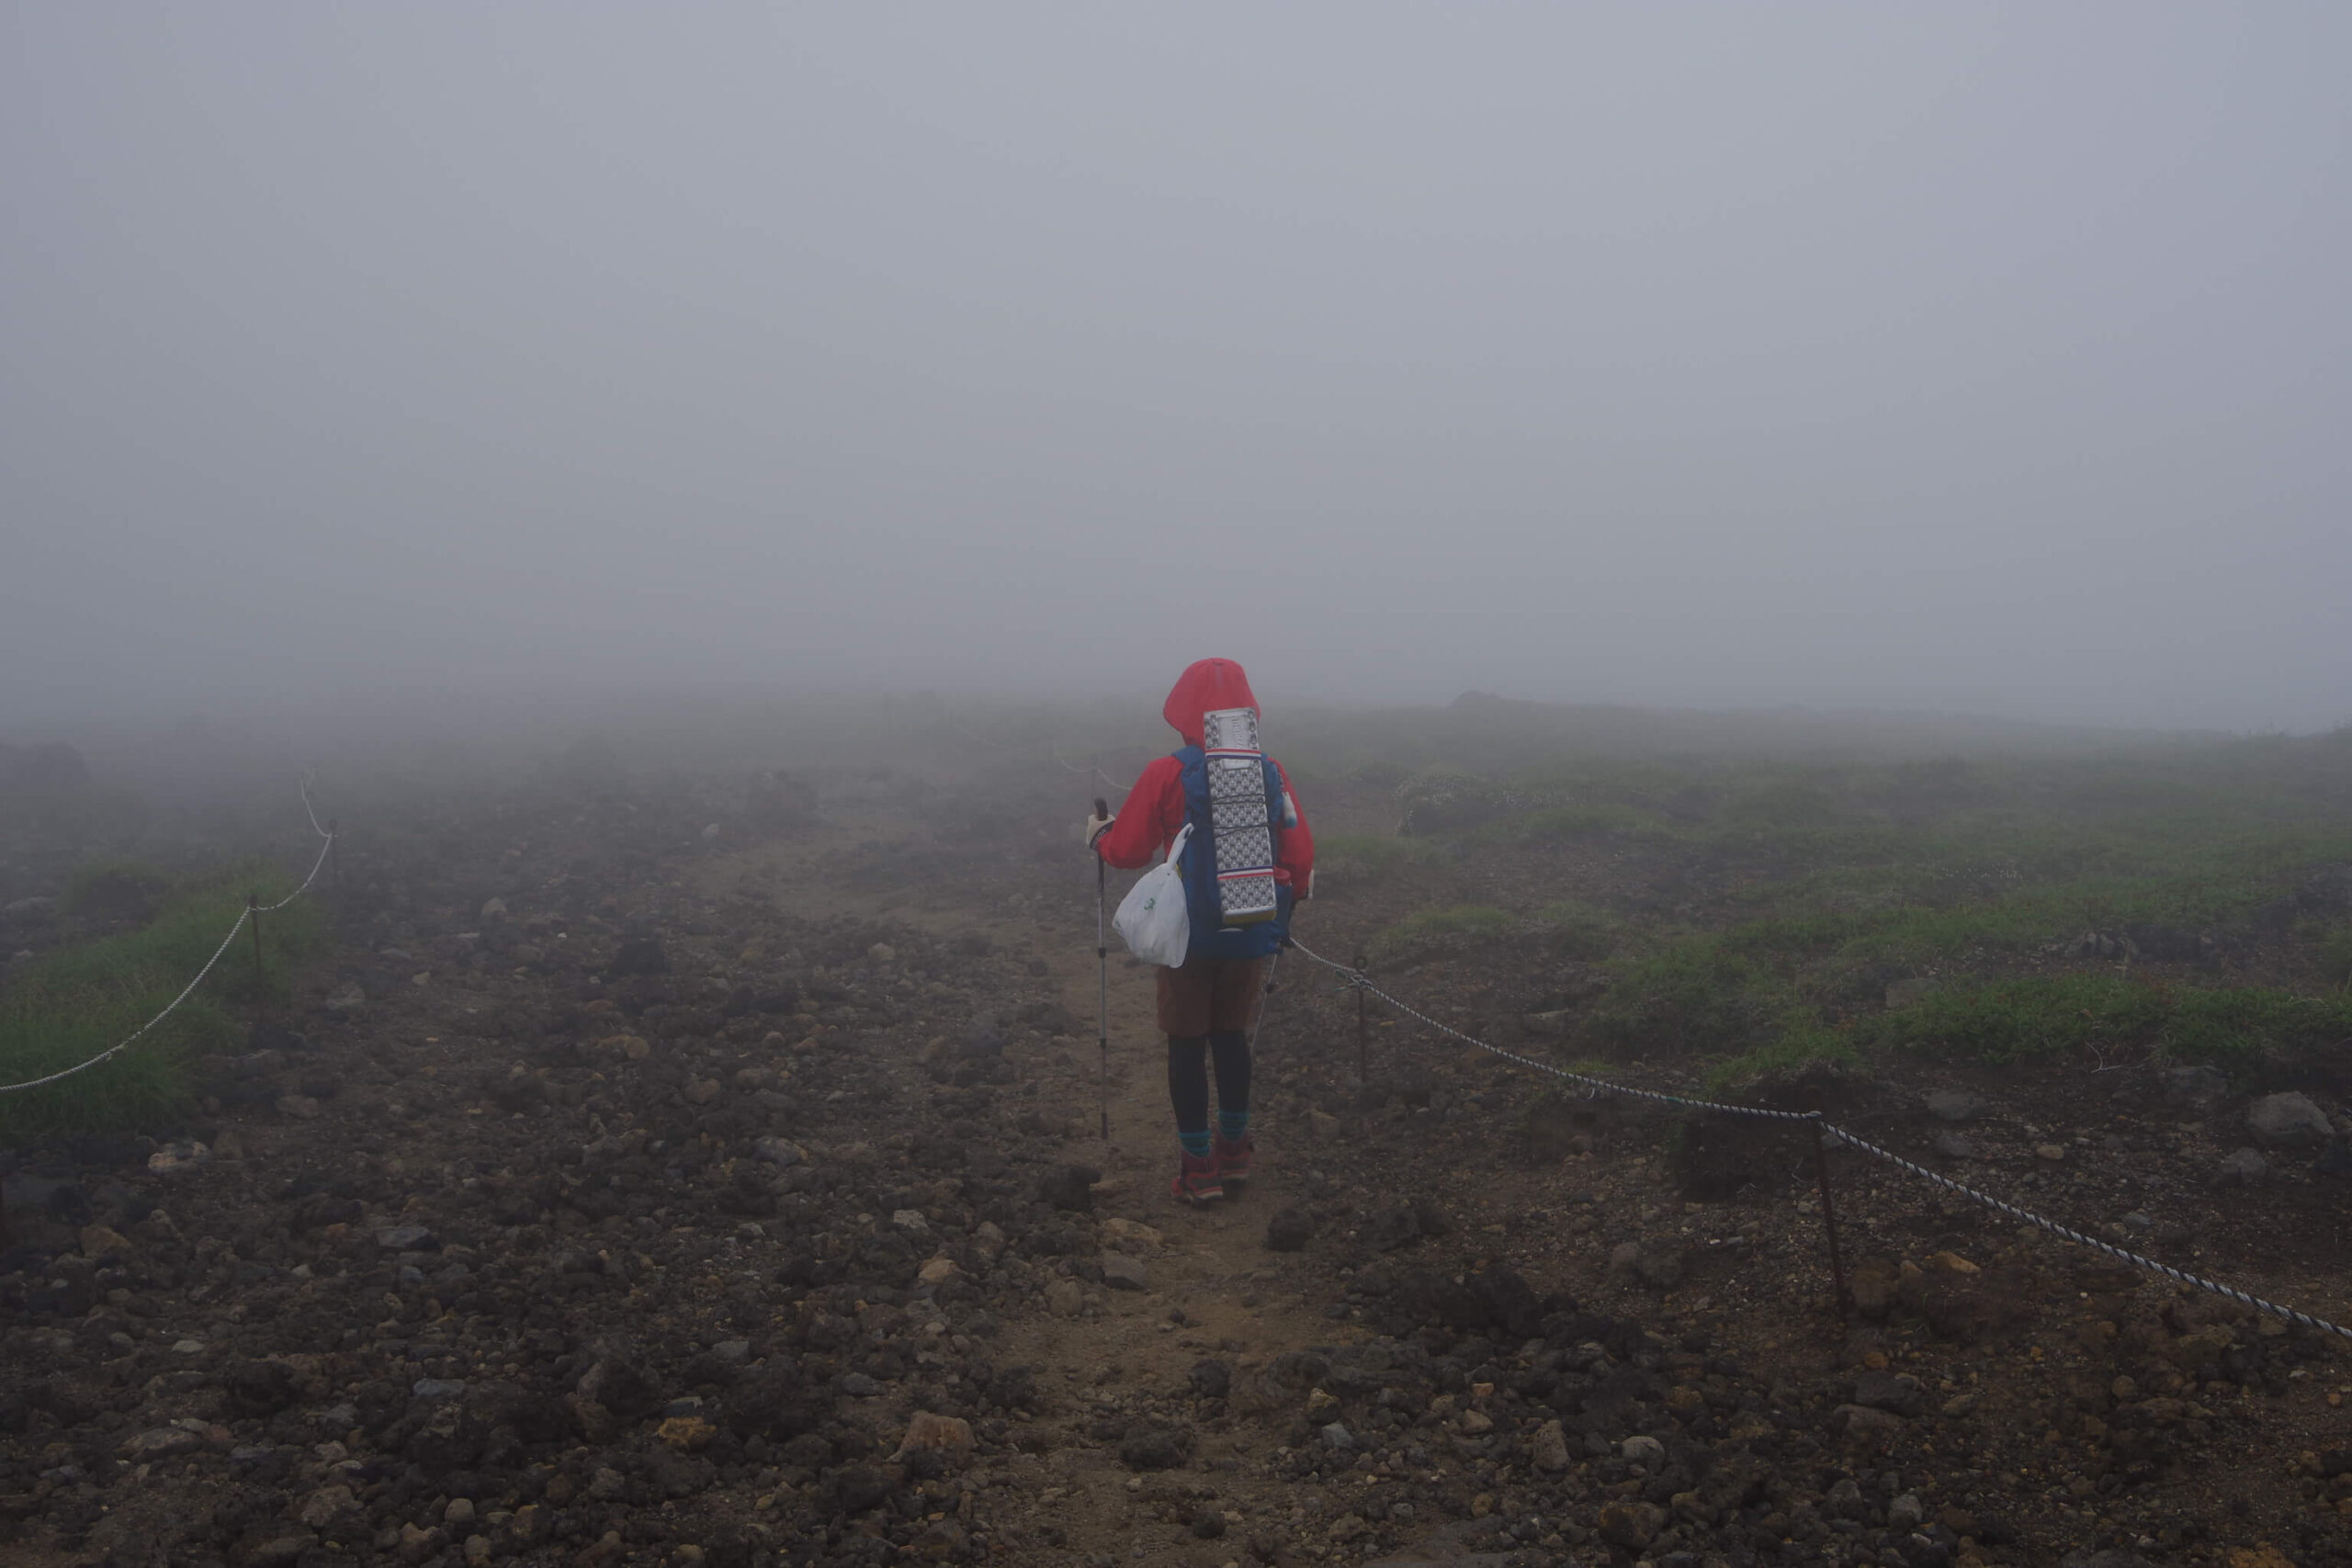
(1153, 813)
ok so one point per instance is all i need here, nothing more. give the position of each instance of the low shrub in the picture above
(1435, 931)
(71, 1005)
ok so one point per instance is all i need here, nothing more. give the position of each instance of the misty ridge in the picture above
(1987, 362)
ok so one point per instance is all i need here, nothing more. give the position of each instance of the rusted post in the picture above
(1829, 1219)
(1363, 1037)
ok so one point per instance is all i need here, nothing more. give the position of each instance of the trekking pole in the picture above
(1103, 970)
(1273, 967)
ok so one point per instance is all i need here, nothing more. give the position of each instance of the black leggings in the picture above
(1188, 1079)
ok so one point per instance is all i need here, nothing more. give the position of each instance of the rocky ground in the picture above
(625, 1192)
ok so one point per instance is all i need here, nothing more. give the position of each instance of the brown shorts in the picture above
(1210, 996)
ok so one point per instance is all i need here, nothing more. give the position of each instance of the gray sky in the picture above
(1981, 357)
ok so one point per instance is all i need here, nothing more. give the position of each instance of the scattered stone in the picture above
(1550, 1448)
(1131, 1233)
(1337, 1435)
(2288, 1121)
(938, 1271)
(178, 1159)
(1897, 1392)
(687, 1434)
(1152, 1446)
(1951, 1146)
(405, 1239)
(1632, 1525)
(1070, 1187)
(1121, 1273)
(98, 1241)
(2196, 1086)
(1866, 1429)
(159, 1442)
(1064, 1298)
(639, 955)
(855, 1488)
(1289, 1231)
(1642, 1450)
(1655, 1261)
(1956, 1105)
(2050, 1151)
(329, 1506)
(927, 1433)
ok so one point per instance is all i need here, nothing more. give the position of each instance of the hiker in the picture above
(1240, 893)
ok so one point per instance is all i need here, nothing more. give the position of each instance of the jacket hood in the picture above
(1205, 687)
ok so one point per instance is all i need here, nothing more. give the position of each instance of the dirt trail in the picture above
(1212, 1290)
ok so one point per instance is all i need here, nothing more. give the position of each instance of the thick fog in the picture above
(1972, 358)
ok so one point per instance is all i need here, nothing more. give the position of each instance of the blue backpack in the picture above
(1212, 938)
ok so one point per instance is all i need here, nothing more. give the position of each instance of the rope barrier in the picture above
(2066, 1234)
(1355, 980)
(244, 915)
(304, 785)
(1056, 749)
(175, 1002)
(316, 865)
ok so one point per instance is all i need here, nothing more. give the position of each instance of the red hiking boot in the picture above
(1233, 1157)
(1196, 1182)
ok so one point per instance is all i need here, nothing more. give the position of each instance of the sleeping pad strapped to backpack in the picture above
(1235, 805)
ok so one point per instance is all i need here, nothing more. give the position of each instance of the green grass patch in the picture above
(1435, 931)
(2059, 1015)
(1802, 1043)
(1575, 930)
(76, 1002)
(2335, 955)
(1696, 995)
(1560, 824)
(1366, 858)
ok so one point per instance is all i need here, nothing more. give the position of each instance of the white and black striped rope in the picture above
(2065, 1232)
(1356, 980)
(248, 912)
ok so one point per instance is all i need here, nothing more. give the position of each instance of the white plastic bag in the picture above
(1153, 918)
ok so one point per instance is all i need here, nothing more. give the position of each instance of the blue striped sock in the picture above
(1233, 1124)
(1194, 1143)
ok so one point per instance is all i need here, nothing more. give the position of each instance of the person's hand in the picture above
(1098, 826)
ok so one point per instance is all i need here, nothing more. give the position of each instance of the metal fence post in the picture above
(1363, 1040)
(1829, 1218)
(261, 986)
